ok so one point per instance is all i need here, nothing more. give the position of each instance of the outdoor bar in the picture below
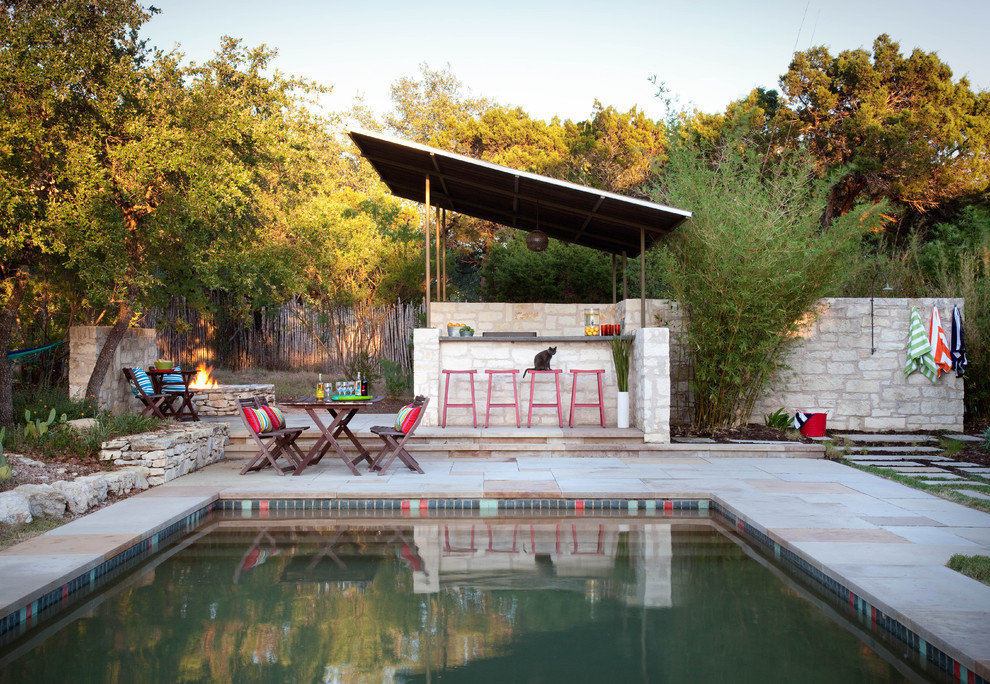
(622, 226)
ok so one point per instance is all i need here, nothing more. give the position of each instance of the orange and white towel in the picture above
(939, 343)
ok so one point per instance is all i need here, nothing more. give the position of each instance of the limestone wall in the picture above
(169, 453)
(138, 349)
(831, 369)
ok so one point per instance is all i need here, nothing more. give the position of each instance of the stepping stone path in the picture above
(919, 456)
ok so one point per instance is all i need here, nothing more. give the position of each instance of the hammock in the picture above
(26, 355)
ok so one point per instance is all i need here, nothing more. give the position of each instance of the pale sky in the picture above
(557, 58)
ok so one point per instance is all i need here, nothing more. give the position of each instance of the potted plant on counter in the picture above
(621, 353)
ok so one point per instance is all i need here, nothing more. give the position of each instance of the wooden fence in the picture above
(292, 337)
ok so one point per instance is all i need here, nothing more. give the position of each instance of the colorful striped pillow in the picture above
(276, 416)
(143, 381)
(406, 417)
(173, 382)
(258, 420)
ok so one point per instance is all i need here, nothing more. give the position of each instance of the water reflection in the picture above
(472, 600)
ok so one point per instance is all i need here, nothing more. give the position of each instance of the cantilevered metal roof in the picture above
(574, 213)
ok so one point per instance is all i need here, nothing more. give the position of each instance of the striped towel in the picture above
(957, 345)
(919, 351)
(940, 347)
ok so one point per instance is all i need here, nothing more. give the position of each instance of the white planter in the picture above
(622, 406)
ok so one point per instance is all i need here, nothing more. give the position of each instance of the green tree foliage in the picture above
(748, 268)
(897, 127)
(432, 110)
(562, 273)
(614, 151)
(56, 61)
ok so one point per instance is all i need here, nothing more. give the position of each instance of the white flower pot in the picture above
(622, 405)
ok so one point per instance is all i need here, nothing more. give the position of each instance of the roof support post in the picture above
(625, 274)
(614, 258)
(642, 277)
(436, 219)
(426, 251)
(443, 253)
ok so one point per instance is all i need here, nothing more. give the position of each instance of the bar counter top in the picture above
(528, 338)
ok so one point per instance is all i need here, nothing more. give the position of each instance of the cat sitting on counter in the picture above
(541, 362)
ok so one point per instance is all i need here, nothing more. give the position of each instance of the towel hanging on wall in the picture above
(940, 346)
(957, 344)
(919, 351)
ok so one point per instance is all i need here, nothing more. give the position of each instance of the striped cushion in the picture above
(406, 417)
(173, 382)
(276, 417)
(143, 381)
(258, 420)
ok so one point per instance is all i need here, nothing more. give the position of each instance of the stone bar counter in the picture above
(649, 380)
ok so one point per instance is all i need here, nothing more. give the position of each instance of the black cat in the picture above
(541, 361)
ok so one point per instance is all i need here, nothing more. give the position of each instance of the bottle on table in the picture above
(364, 385)
(319, 388)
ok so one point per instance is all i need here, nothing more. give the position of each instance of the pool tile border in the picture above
(20, 620)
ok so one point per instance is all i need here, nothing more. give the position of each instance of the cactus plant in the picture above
(38, 428)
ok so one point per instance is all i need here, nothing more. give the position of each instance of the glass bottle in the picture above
(319, 388)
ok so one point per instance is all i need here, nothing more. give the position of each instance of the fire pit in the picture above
(213, 399)
(222, 399)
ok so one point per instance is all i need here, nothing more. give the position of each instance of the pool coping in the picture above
(943, 618)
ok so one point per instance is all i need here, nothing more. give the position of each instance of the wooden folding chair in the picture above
(272, 444)
(393, 448)
(158, 405)
(176, 382)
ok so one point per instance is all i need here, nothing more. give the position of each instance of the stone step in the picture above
(888, 439)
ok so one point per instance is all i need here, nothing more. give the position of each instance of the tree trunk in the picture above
(7, 319)
(124, 314)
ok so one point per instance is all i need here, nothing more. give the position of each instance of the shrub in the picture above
(749, 267)
(397, 381)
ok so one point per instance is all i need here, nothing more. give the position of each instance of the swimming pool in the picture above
(523, 598)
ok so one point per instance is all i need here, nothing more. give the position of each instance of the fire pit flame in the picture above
(203, 379)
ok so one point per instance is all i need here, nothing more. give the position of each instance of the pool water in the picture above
(559, 600)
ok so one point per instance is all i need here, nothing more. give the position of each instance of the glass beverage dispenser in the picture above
(592, 322)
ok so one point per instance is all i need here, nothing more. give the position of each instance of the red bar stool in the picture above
(601, 396)
(532, 387)
(515, 394)
(446, 388)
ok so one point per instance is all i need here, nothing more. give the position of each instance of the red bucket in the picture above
(814, 426)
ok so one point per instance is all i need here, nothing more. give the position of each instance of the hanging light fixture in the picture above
(536, 239)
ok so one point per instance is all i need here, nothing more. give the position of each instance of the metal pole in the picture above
(614, 287)
(625, 274)
(437, 228)
(642, 277)
(443, 253)
(426, 232)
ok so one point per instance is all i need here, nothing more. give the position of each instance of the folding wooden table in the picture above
(342, 412)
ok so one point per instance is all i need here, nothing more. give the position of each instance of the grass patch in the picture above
(945, 491)
(15, 534)
(951, 447)
(977, 567)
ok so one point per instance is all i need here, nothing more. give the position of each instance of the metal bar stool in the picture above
(601, 396)
(446, 389)
(532, 387)
(515, 394)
